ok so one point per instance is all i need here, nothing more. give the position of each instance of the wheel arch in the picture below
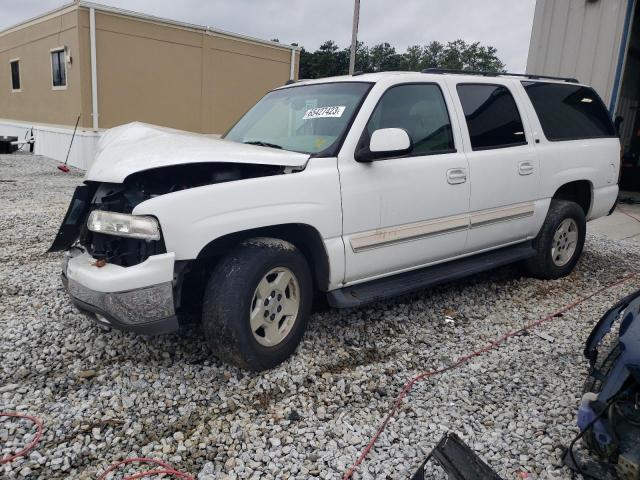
(305, 237)
(578, 191)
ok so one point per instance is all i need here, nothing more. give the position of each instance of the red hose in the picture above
(165, 469)
(29, 446)
(462, 360)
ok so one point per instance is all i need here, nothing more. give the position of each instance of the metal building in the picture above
(597, 42)
(111, 66)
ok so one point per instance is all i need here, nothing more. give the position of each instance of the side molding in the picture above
(419, 230)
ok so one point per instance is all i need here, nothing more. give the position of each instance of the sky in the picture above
(504, 24)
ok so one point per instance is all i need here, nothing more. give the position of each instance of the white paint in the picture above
(133, 147)
(389, 140)
(351, 203)
(53, 141)
(94, 69)
(388, 193)
(114, 278)
(192, 218)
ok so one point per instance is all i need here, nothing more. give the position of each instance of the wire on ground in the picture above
(462, 360)
(165, 469)
(29, 446)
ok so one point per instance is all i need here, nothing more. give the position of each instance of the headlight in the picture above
(124, 225)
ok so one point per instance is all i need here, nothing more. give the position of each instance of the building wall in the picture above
(38, 101)
(176, 77)
(576, 38)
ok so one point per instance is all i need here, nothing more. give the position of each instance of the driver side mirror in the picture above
(385, 143)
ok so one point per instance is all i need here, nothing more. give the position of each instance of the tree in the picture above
(330, 60)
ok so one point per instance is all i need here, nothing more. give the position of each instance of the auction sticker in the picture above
(324, 112)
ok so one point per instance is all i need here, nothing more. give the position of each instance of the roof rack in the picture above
(497, 74)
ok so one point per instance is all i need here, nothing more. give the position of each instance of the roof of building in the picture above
(144, 17)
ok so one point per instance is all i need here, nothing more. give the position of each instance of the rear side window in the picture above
(492, 116)
(420, 110)
(569, 112)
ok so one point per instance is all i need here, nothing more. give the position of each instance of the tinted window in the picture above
(58, 69)
(569, 112)
(492, 116)
(421, 111)
(15, 75)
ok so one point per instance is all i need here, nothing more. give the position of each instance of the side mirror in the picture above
(385, 143)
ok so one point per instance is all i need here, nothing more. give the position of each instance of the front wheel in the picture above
(560, 241)
(257, 304)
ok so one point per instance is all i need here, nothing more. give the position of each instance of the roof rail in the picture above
(497, 74)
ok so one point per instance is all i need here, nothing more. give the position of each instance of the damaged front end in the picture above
(130, 281)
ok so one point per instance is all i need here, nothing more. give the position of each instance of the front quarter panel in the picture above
(192, 218)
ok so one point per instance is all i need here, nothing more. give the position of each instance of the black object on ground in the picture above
(6, 145)
(458, 460)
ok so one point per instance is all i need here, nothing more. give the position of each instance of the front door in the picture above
(503, 165)
(404, 212)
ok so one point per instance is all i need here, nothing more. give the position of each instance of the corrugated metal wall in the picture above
(578, 38)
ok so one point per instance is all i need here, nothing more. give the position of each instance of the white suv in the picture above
(357, 188)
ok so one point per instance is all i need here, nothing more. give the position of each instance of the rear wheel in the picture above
(560, 241)
(257, 303)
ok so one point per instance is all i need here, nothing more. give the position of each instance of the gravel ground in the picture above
(106, 396)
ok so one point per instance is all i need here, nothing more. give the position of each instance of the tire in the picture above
(232, 301)
(557, 256)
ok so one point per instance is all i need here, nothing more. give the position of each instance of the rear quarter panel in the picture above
(596, 160)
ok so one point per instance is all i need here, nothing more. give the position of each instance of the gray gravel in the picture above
(105, 396)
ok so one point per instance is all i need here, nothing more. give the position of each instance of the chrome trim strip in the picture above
(408, 232)
(420, 230)
(502, 214)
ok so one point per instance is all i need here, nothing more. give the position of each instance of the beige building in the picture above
(110, 66)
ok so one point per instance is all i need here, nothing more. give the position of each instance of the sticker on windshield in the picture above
(324, 112)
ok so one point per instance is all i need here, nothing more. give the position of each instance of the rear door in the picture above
(503, 164)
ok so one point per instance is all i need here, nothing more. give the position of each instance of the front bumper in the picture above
(138, 299)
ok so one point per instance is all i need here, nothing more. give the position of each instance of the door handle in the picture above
(456, 175)
(525, 168)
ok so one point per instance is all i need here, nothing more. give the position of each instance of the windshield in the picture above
(305, 119)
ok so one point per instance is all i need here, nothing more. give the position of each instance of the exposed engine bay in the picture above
(609, 413)
(136, 188)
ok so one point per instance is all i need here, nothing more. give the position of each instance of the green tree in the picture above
(330, 60)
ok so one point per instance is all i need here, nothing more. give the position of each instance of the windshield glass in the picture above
(306, 119)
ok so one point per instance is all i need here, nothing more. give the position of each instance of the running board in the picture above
(414, 280)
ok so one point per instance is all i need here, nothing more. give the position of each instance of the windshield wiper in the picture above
(263, 144)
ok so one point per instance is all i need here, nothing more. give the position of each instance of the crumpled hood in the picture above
(136, 146)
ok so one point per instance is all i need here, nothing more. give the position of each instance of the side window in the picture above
(492, 116)
(421, 111)
(58, 69)
(15, 75)
(569, 112)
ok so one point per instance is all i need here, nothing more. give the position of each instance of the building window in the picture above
(58, 68)
(492, 116)
(569, 112)
(15, 75)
